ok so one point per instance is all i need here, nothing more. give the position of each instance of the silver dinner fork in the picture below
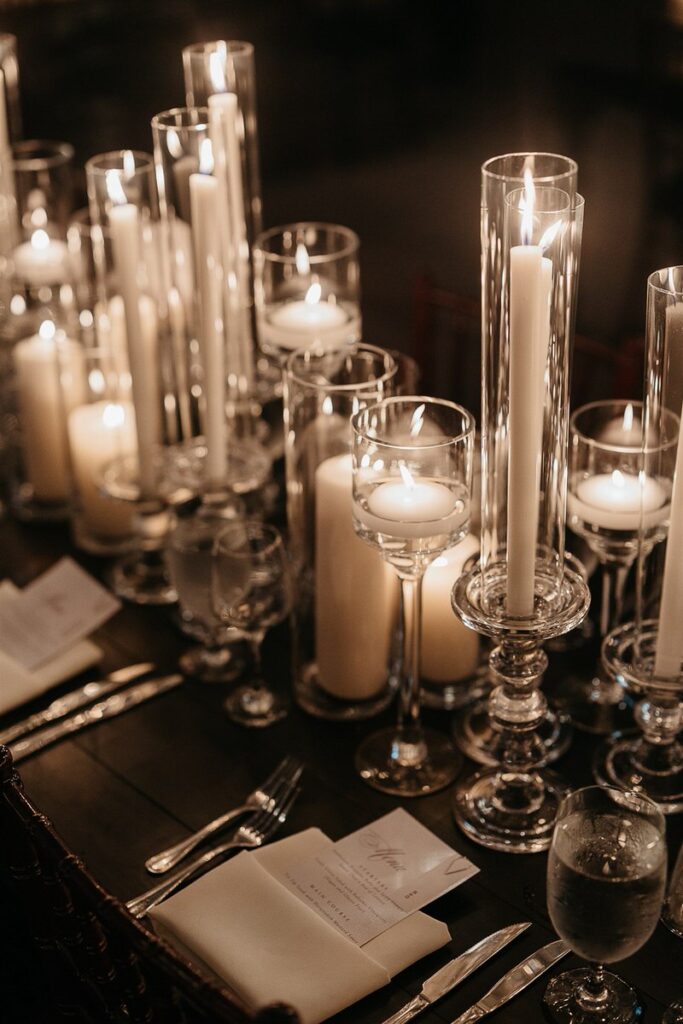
(252, 834)
(288, 769)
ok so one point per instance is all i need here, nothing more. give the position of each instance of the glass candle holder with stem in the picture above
(606, 877)
(412, 479)
(501, 175)
(252, 592)
(523, 591)
(124, 214)
(189, 556)
(646, 653)
(603, 508)
(307, 288)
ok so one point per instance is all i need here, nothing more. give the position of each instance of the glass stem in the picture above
(409, 704)
(255, 644)
(614, 575)
(593, 993)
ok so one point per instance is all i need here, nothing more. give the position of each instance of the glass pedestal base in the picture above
(209, 666)
(407, 769)
(622, 762)
(493, 814)
(476, 737)
(316, 701)
(563, 1001)
(595, 705)
(255, 707)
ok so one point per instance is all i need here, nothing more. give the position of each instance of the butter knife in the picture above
(515, 981)
(456, 971)
(114, 705)
(75, 699)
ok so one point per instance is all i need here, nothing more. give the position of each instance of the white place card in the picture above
(372, 878)
(52, 613)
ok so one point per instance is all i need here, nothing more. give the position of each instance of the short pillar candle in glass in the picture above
(123, 209)
(307, 288)
(500, 176)
(522, 592)
(412, 480)
(646, 653)
(603, 507)
(346, 600)
(44, 188)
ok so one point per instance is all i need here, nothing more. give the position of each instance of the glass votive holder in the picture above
(307, 288)
(347, 599)
(44, 192)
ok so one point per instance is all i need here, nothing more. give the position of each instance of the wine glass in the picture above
(412, 480)
(252, 591)
(606, 876)
(188, 557)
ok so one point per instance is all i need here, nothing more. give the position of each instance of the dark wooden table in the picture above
(133, 785)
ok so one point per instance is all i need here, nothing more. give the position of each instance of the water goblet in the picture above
(188, 557)
(412, 480)
(606, 875)
(252, 592)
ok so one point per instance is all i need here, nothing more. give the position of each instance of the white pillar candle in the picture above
(310, 321)
(449, 650)
(412, 508)
(50, 373)
(41, 261)
(98, 433)
(355, 593)
(207, 257)
(124, 227)
(613, 501)
(530, 283)
(669, 653)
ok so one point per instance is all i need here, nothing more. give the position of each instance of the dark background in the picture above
(378, 113)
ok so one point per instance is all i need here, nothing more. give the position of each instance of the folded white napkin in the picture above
(18, 686)
(269, 946)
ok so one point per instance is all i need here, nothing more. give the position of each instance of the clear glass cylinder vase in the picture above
(347, 596)
(10, 130)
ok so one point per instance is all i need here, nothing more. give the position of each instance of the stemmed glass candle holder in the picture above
(646, 653)
(252, 592)
(124, 214)
(606, 876)
(343, 628)
(603, 507)
(523, 592)
(412, 479)
(476, 734)
(212, 349)
(220, 75)
(307, 288)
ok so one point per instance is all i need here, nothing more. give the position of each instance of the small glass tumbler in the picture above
(606, 877)
(307, 288)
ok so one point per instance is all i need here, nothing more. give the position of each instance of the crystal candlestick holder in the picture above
(603, 507)
(412, 482)
(646, 653)
(550, 176)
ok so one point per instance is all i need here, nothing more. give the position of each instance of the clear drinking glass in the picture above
(606, 876)
(412, 480)
(252, 592)
(189, 557)
(603, 507)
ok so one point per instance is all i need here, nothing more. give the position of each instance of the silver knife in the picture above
(76, 699)
(515, 981)
(114, 705)
(456, 971)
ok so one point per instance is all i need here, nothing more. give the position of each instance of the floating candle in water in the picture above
(413, 508)
(613, 501)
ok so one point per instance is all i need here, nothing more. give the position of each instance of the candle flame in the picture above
(112, 181)
(47, 330)
(417, 420)
(327, 406)
(113, 415)
(618, 478)
(303, 264)
(527, 205)
(406, 475)
(628, 417)
(205, 157)
(314, 294)
(549, 235)
(217, 70)
(173, 144)
(129, 163)
(40, 240)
